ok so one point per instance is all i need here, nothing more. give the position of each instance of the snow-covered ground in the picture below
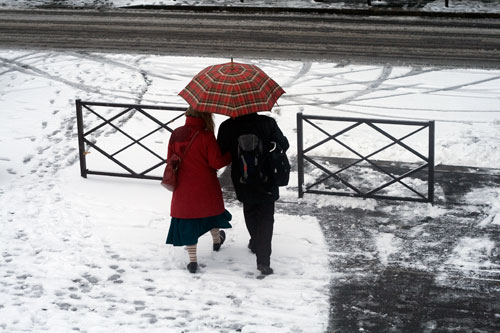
(478, 6)
(89, 254)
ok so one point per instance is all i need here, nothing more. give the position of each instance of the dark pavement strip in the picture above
(416, 290)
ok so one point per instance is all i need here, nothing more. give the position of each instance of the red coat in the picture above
(198, 193)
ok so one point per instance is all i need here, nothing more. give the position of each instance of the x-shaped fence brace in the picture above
(82, 140)
(428, 161)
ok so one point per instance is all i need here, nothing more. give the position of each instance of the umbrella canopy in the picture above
(233, 89)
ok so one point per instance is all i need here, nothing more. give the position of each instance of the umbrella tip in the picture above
(231, 62)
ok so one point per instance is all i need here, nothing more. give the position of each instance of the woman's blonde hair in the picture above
(206, 116)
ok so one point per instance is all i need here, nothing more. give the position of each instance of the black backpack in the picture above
(251, 158)
(262, 163)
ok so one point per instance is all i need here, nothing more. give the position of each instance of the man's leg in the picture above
(265, 233)
(251, 220)
(259, 219)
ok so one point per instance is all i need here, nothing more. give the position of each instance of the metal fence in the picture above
(347, 186)
(84, 143)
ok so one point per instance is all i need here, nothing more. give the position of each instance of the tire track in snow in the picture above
(306, 67)
(32, 70)
(103, 59)
(35, 71)
(386, 72)
(371, 86)
(464, 85)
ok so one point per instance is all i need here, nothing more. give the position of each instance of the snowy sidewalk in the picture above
(89, 255)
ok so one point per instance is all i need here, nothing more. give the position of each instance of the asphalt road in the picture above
(363, 39)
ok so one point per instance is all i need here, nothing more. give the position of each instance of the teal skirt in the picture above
(187, 231)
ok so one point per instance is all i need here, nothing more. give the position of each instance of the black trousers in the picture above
(259, 219)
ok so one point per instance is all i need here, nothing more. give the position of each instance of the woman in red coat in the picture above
(197, 205)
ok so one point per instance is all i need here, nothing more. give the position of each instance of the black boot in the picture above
(192, 267)
(265, 270)
(222, 236)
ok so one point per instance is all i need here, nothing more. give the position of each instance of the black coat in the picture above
(267, 130)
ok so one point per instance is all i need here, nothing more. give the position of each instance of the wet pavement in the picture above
(416, 290)
(420, 285)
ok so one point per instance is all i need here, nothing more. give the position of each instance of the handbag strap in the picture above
(189, 145)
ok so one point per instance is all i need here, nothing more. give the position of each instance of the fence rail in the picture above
(356, 191)
(122, 109)
(370, 2)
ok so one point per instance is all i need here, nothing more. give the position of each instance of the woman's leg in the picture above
(218, 236)
(191, 249)
(193, 265)
(215, 235)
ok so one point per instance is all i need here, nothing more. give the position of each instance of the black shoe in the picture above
(251, 247)
(192, 267)
(222, 236)
(265, 270)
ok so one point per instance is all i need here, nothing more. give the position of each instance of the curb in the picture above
(308, 10)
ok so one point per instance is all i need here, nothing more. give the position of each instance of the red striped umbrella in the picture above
(232, 89)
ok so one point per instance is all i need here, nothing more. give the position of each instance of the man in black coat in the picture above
(258, 199)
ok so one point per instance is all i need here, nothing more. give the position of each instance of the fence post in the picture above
(300, 154)
(81, 144)
(430, 195)
(446, 3)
